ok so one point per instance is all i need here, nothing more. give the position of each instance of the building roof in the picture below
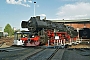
(77, 20)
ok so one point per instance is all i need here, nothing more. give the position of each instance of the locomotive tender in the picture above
(84, 33)
(42, 31)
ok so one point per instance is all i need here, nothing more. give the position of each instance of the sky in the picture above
(15, 11)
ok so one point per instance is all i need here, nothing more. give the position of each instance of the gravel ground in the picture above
(80, 46)
(7, 42)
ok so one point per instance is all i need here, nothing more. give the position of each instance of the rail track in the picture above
(76, 52)
(29, 53)
(17, 53)
(61, 54)
(33, 53)
(47, 54)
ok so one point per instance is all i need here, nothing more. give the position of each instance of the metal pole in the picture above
(57, 42)
(34, 8)
(70, 41)
(64, 41)
(48, 43)
(61, 42)
(54, 42)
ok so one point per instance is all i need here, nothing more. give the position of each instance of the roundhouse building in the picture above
(77, 24)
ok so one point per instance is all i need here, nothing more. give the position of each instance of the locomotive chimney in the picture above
(38, 17)
(44, 18)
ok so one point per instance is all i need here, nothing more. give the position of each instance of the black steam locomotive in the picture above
(40, 31)
(36, 25)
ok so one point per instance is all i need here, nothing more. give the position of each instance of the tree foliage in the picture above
(9, 29)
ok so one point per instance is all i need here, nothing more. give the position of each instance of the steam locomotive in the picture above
(44, 32)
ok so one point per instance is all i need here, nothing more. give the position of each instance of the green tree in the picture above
(9, 29)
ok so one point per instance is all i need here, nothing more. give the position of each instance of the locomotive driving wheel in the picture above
(37, 43)
(43, 39)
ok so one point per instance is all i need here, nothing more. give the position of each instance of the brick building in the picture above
(77, 24)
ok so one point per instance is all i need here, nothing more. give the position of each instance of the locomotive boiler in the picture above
(40, 31)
